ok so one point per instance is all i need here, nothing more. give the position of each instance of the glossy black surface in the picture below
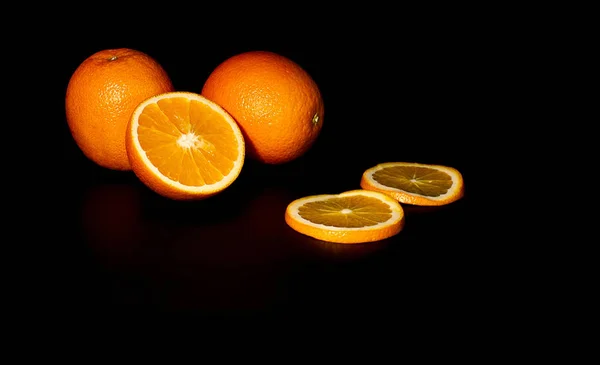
(114, 246)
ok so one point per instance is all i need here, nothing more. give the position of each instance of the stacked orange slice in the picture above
(374, 212)
(354, 216)
(415, 183)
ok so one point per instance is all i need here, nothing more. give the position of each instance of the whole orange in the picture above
(276, 103)
(101, 95)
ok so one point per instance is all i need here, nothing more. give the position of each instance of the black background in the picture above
(405, 87)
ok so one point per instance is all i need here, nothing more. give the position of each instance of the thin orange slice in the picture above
(415, 183)
(354, 216)
(184, 146)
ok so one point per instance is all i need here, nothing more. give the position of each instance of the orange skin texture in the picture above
(101, 95)
(276, 103)
(411, 199)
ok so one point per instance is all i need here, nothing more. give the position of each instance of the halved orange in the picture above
(184, 146)
(354, 216)
(415, 183)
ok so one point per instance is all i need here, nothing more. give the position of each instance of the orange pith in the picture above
(184, 146)
(355, 216)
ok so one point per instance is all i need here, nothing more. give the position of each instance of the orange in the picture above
(277, 104)
(102, 93)
(184, 146)
(355, 216)
(415, 183)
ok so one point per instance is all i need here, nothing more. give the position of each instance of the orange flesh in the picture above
(187, 141)
(419, 180)
(355, 211)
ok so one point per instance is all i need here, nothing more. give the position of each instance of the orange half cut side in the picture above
(184, 146)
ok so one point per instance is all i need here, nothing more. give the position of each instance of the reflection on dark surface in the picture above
(213, 255)
(234, 253)
(339, 251)
(112, 222)
(122, 247)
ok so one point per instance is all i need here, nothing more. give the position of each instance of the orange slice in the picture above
(354, 216)
(415, 183)
(184, 146)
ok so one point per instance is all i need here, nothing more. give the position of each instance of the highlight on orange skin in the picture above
(276, 103)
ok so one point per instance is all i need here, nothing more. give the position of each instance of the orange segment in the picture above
(415, 183)
(354, 216)
(184, 146)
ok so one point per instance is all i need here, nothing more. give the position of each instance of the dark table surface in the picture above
(115, 246)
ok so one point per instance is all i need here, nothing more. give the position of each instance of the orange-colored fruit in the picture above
(354, 216)
(277, 104)
(415, 183)
(184, 146)
(101, 95)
